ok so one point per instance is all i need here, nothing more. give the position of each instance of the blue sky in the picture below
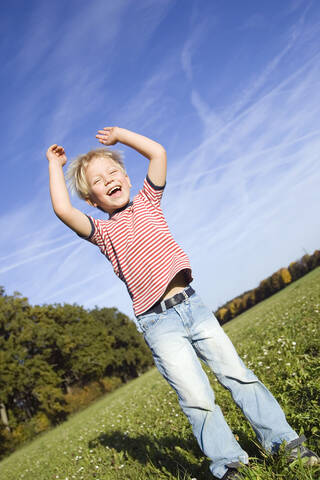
(230, 88)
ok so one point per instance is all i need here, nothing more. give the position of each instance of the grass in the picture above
(138, 432)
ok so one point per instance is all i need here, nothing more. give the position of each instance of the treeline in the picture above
(56, 359)
(268, 287)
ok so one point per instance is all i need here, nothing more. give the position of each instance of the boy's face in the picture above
(109, 185)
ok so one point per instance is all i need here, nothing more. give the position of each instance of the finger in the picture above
(107, 128)
(58, 149)
(103, 132)
(103, 139)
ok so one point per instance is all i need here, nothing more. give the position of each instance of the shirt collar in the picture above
(120, 209)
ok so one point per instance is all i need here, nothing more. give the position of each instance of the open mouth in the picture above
(115, 191)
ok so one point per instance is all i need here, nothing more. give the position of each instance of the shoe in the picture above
(232, 473)
(297, 450)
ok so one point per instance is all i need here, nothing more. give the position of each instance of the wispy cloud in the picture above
(195, 37)
(36, 257)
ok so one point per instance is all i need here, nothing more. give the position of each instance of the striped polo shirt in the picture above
(137, 241)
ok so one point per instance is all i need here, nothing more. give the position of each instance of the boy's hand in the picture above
(150, 149)
(56, 152)
(108, 136)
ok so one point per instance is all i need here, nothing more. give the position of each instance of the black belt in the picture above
(171, 302)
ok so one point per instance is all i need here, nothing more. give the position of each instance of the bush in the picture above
(40, 422)
(111, 383)
(80, 397)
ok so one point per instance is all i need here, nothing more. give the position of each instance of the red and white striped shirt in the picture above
(137, 241)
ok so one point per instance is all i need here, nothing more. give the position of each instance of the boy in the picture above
(175, 323)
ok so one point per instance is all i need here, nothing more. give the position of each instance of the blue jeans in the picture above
(177, 337)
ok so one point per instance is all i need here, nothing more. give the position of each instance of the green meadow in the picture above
(138, 432)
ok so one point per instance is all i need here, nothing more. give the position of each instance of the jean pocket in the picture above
(201, 311)
(149, 321)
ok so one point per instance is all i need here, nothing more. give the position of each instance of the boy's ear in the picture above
(91, 203)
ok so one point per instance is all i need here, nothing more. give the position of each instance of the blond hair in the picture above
(76, 173)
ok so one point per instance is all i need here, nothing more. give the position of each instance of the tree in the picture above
(297, 269)
(223, 315)
(315, 259)
(129, 355)
(263, 291)
(235, 307)
(285, 276)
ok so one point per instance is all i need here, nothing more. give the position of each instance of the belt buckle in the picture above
(184, 293)
(163, 306)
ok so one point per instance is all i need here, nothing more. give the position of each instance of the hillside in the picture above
(138, 432)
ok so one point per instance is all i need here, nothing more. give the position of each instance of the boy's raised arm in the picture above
(60, 199)
(155, 152)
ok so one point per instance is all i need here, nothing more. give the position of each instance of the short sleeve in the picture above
(93, 229)
(152, 192)
(98, 233)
